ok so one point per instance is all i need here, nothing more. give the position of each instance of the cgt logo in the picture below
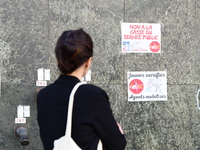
(136, 86)
(154, 46)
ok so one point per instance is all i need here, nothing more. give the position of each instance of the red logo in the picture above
(154, 46)
(136, 86)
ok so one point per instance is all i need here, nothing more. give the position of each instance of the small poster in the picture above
(147, 86)
(46, 74)
(27, 111)
(20, 111)
(141, 38)
(43, 77)
(40, 73)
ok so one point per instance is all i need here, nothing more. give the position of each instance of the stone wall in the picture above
(30, 28)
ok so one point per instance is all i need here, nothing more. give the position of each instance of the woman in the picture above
(92, 116)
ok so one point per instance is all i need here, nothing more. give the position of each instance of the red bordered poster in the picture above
(147, 86)
(141, 38)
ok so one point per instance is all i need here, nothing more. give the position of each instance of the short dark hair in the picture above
(73, 48)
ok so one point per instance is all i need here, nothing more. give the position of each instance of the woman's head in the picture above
(73, 48)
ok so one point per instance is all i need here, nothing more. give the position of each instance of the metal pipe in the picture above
(23, 135)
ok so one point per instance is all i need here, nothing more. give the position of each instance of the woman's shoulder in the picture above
(92, 89)
(92, 94)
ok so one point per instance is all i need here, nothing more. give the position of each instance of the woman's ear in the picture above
(88, 63)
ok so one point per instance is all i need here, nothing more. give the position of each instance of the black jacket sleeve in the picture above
(104, 122)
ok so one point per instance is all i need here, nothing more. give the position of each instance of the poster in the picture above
(147, 86)
(141, 38)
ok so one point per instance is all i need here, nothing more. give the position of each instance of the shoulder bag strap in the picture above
(69, 115)
(70, 108)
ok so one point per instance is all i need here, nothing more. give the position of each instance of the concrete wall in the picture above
(30, 28)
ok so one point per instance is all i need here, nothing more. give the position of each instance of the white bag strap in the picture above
(70, 107)
(69, 115)
(100, 146)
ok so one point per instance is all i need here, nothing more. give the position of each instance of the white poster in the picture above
(147, 86)
(46, 74)
(20, 111)
(40, 73)
(141, 38)
(27, 111)
(43, 77)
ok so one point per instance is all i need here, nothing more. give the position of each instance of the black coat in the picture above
(92, 116)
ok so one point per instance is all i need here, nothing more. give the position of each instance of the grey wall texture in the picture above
(30, 28)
